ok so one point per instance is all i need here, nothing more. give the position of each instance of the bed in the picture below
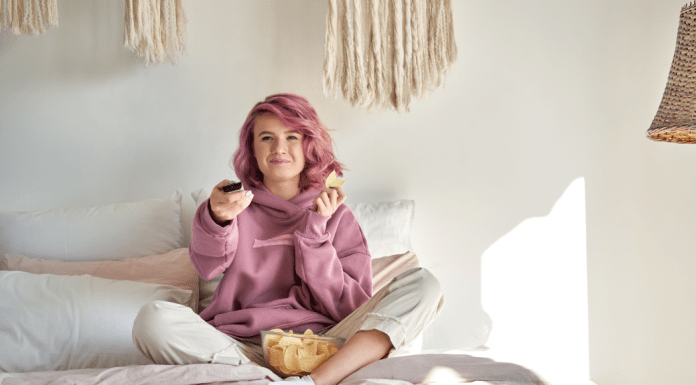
(73, 279)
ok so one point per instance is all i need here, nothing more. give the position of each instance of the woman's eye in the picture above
(292, 137)
(265, 138)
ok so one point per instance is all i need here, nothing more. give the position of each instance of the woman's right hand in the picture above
(225, 207)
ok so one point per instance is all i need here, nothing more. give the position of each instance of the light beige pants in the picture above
(169, 333)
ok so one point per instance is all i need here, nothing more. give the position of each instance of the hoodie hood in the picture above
(280, 208)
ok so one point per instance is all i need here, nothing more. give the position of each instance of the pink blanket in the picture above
(148, 374)
(408, 370)
(442, 369)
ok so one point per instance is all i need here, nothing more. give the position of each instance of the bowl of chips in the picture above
(290, 354)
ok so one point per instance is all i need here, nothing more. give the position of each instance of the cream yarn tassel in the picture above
(408, 55)
(157, 52)
(156, 29)
(419, 49)
(387, 36)
(360, 95)
(398, 61)
(330, 49)
(348, 78)
(181, 25)
(451, 45)
(378, 92)
(129, 35)
(52, 9)
(443, 48)
(28, 16)
(409, 50)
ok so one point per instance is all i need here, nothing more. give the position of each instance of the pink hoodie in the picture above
(285, 266)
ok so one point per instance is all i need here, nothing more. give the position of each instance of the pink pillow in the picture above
(384, 269)
(173, 268)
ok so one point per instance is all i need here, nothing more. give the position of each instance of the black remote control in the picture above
(232, 187)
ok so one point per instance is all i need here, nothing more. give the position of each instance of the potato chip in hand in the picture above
(333, 181)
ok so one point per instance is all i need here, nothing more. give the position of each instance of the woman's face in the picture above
(278, 150)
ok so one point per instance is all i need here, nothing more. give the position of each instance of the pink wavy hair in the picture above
(295, 113)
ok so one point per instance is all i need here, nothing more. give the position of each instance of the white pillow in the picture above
(61, 322)
(110, 232)
(200, 196)
(387, 225)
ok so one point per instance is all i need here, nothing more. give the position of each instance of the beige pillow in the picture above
(386, 268)
(173, 268)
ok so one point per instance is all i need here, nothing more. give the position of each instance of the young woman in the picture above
(293, 257)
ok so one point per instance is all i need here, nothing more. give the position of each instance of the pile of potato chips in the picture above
(296, 354)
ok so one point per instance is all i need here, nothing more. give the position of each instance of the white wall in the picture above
(544, 93)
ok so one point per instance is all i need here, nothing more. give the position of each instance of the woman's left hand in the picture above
(328, 201)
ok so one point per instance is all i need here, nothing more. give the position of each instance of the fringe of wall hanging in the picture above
(156, 29)
(28, 16)
(380, 54)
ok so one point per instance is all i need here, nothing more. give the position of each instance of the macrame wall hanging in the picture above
(381, 54)
(28, 16)
(156, 29)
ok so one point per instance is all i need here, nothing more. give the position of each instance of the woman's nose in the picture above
(280, 147)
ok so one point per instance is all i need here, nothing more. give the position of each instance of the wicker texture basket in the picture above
(675, 120)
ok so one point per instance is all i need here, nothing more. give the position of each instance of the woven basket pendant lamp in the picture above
(675, 120)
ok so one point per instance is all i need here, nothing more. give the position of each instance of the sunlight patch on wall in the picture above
(534, 287)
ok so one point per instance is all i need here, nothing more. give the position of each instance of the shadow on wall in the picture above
(88, 43)
(534, 287)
